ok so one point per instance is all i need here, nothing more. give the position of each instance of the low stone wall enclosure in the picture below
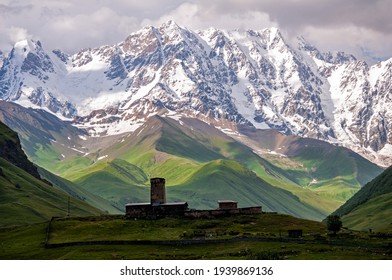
(222, 212)
(158, 208)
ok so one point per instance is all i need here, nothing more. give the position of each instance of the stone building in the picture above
(227, 204)
(158, 207)
(158, 191)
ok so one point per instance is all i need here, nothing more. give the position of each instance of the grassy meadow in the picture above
(239, 237)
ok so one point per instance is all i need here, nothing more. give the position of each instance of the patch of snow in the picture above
(275, 153)
(144, 90)
(386, 150)
(105, 99)
(375, 73)
(96, 64)
(102, 157)
(228, 131)
(179, 81)
(141, 130)
(314, 181)
(76, 150)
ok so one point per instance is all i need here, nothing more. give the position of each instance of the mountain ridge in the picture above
(247, 77)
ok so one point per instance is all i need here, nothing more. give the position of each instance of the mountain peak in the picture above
(171, 28)
(274, 37)
(170, 24)
(27, 45)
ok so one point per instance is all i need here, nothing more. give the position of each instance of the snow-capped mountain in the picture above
(246, 77)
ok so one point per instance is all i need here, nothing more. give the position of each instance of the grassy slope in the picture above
(222, 146)
(25, 199)
(330, 171)
(382, 184)
(320, 174)
(371, 206)
(277, 174)
(374, 214)
(116, 181)
(226, 179)
(44, 137)
(80, 193)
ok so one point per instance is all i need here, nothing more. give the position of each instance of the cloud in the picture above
(194, 16)
(67, 25)
(363, 42)
(17, 34)
(103, 26)
(292, 14)
(350, 25)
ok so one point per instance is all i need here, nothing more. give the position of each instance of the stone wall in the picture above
(155, 211)
(216, 213)
(181, 210)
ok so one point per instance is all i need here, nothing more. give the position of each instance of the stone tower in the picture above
(158, 192)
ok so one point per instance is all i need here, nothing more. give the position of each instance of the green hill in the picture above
(333, 172)
(117, 167)
(80, 193)
(24, 197)
(371, 207)
(188, 158)
(116, 181)
(320, 176)
(227, 179)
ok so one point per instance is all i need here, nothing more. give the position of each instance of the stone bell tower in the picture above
(158, 192)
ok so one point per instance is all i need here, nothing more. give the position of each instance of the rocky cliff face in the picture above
(11, 150)
(247, 77)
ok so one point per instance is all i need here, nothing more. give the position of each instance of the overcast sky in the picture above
(354, 26)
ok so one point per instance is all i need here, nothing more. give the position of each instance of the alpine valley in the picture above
(244, 115)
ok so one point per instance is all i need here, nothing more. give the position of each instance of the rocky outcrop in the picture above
(11, 150)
